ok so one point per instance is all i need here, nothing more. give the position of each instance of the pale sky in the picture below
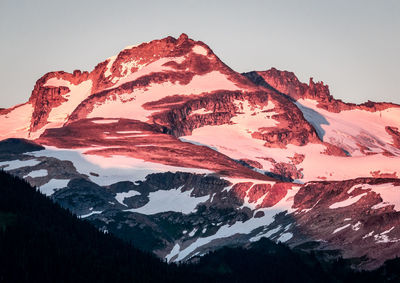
(353, 46)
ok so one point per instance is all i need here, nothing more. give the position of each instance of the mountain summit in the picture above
(165, 145)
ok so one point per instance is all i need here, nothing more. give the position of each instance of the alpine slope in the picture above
(166, 146)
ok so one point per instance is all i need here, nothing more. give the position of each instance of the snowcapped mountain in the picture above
(165, 145)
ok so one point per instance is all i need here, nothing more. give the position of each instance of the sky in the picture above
(353, 45)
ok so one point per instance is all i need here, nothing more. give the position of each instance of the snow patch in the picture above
(171, 200)
(341, 228)
(15, 164)
(285, 237)
(235, 140)
(111, 61)
(351, 128)
(129, 105)
(145, 69)
(111, 169)
(191, 234)
(37, 173)
(368, 235)
(105, 121)
(201, 111)
(57, 82)
(384, 238)
(173, 252)
(356, 226)
(91, 213)
(308, 209)
(347, 202)
(354, 187)
(225, 231)
(267, 234)
(17, 122)
(120, 197)
(199, 50)
(126, 68)
(58, 115)
(389, 193)
(129, 132)
(50, 187)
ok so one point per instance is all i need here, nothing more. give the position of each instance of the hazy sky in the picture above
(354, 46)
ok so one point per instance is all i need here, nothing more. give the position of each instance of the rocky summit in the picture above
(166, 146)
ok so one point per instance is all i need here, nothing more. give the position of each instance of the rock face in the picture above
(359, 216)
(320, 108)
(287, 83)
(166, 146)
(44, 97)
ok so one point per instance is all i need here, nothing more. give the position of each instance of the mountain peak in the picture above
(165, 132)
(287, 83)
(183, 37)
(182, 63)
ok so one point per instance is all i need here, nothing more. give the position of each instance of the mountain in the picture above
(165, 146)
(42, 242)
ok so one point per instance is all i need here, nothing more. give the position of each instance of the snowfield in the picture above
(110, 169)
(171, 200)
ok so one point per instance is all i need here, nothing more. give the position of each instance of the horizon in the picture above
(352, 47)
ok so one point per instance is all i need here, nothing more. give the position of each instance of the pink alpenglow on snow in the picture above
(166, 129)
